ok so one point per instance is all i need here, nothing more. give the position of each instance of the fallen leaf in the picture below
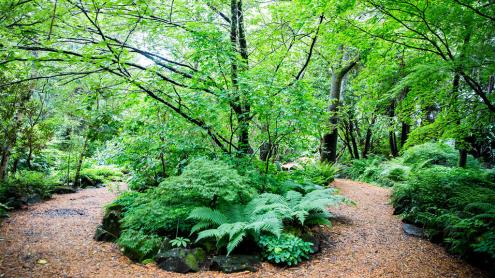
(42, 261)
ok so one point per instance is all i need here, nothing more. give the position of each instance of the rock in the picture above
(63, 190)
(33, 199)
(313, 239)
(235, 263)
(412, 230)
(109, 230)
(181, 260)
(102, 235)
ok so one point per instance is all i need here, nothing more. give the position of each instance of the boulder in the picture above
(109, 230)
(412, 230)
(235, 263)
(181, 260)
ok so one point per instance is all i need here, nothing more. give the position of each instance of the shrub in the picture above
(318, 173)
(26, 185)
(377, 171)
(454, 205)
(203, 182)
(138, 245)
(287, 249)
(100, 174)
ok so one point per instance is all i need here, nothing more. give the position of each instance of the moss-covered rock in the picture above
(235, 263)
(181, 260)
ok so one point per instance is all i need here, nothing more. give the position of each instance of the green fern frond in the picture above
(234, 241)
(208, 215)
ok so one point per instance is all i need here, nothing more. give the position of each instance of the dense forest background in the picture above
(383, 88)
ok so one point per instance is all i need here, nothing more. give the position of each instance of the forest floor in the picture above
(55, 239)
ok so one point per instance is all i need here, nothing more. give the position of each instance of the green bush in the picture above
(455, 206)
(287, 249)
(26, 185)
(100, 174)
(162, 209)
(377, 171)
(139, 246)
(318, 173)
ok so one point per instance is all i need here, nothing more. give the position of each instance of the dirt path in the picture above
(366, 241)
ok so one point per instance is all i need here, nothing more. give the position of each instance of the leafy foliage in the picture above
(318, 173)
(101, 174)
(287, 249)
(456, 206)
(180, 242)
(24, 185)
(138, 245)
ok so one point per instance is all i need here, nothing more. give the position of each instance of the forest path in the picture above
(55, 239)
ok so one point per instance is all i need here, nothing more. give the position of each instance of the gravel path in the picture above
(54, 239)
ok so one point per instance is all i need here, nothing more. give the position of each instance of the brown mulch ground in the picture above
(366, 241)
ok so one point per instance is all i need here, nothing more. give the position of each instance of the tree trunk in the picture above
(462, 158)
(4, 162)
(30, 157)
(367, 140)
(239, 104)
(77, 176)
(406, 128)
(353, 140)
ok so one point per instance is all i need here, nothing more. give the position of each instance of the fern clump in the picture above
(266, 214)
(317, 173)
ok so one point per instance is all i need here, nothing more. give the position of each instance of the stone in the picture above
(235, 263)
(109, 230)
(412, 230)
(181, 260)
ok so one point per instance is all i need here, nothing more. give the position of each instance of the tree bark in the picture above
(329, 140)
(239, 103)
(77, 176)
(367, 140)
(462, 157)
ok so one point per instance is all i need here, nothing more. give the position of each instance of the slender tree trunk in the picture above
(462, 158)
(406, 128)
(4, 162)
(392, 138)
(77, 176)
(367, 140)
(353, 140)
(29, 157)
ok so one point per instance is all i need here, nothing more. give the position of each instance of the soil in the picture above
(55, 239)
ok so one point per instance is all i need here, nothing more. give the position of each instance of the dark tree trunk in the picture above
(394, 151)
(15, 165)
(406, 128)
(353, 140)
(367, 140)
(4, 162)
(462, 158)
(265, 151)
